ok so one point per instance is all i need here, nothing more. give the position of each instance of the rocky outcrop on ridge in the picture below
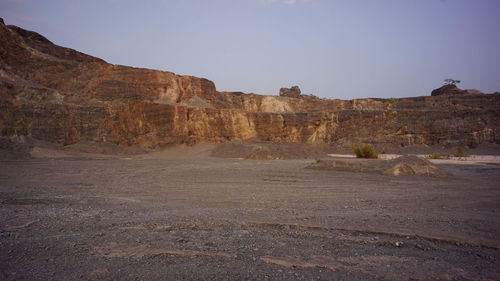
(293, 92)
(62, 96)
(450, 90)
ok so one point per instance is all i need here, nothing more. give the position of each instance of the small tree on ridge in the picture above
(450, 81)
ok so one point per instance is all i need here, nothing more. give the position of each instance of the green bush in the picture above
(364, 151)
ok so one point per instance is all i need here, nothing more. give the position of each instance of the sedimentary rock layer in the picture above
(60, 95)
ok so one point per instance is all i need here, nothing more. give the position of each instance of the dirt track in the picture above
(180, 214)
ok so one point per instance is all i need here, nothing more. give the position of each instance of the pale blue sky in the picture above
(331, 48)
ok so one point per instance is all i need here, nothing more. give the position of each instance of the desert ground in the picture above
(181, 214)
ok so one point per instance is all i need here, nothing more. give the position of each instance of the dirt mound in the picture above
(401, 166)
(263, 150)
(181, 151)
(412, 165)
(15, 148)
(26, 147)
(350, 166)
(103, 148)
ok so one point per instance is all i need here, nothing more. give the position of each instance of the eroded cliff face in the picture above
(60, 95)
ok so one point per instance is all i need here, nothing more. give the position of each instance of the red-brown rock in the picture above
(60, 95)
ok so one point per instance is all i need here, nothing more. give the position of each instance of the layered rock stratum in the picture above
(59, 95)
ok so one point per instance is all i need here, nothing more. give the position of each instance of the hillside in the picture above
(60, 95)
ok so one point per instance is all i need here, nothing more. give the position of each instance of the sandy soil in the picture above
(267, 150)
(180, 214)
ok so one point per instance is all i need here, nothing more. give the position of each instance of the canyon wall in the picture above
(59, 95)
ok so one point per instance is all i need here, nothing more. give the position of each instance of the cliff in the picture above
(63, 96)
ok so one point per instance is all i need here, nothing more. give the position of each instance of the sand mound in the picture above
(103, 148)
(26, 147)
(15, 148)
(401, 166)
(181, 151)
(263, 150)
(350, 166)
(412, 165)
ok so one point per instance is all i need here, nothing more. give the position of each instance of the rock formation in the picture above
(293, 92)
(450, 90)
(59, 95)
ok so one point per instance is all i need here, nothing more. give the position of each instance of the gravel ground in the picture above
(182, 215)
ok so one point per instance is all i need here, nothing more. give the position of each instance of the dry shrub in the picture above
(438, 156)
(460, 153)
(364, 151)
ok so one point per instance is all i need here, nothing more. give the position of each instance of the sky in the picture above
(337, 49)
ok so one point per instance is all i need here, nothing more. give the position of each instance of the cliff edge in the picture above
(60, 95)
